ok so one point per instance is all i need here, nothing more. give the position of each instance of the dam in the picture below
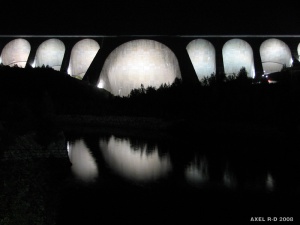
(122, 63)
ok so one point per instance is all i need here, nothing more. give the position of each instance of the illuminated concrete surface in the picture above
(16, 52)
(126, 62)
(50, 53)
(138, 62)
(82, 55)
(203, 56)
(237, 53)
(274, 54)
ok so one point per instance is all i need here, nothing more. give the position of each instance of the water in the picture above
(129, 180)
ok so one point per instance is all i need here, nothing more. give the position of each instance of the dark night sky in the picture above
(150, 17)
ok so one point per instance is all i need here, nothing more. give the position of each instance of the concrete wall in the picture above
(50, 53)
(128, 60)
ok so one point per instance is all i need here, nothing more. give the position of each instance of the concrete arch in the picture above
(16, 52)
(237, 53)
(203, 56)
(274, 54)
(137, 62)
(298, 52)
(82, 55)
(50, 53)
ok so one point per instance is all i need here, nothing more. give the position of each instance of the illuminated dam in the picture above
(122, 63)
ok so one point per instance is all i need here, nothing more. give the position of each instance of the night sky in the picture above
(149, 17)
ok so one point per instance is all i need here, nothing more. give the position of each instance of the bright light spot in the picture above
(33, 64)
(101, 84)
(69, 70)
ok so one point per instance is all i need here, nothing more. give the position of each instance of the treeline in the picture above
(30, 95)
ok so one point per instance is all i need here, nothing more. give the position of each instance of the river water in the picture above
(117, 179)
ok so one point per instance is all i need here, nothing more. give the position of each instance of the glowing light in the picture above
(274, 55)
(238, 53)
(203, 57)
(139, 62)
(50, 53)
(16, 52)
(84, 166)
(101, 84)
(33, 64)
(134, 163)
(82, 56)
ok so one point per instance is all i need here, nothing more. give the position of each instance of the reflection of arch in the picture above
(82, 55)
(16, 52)
(237, 53)
(137, 62)
(274, 54)
(134, 162)
(203, 56)
(84, 165)
(50, 53)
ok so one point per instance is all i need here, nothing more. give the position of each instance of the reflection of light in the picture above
(197, 171)
(33, 64)
(139, 62)
(229, 179)
(134, 163)
(270, 182)
(83, 164)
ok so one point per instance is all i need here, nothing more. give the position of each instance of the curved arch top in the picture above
(203, 56)
(298, 52)
(237, 53)
(16, 52)
(137, 62)
(274, 55)
(82, 55)
(50, 53)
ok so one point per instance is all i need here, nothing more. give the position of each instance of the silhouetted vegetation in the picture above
(33, 97)
(35, 104)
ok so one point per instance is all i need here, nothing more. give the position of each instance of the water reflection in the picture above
(84, 166)
(270, 182)
(137, 162)
(197, 171)
(229, 178)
